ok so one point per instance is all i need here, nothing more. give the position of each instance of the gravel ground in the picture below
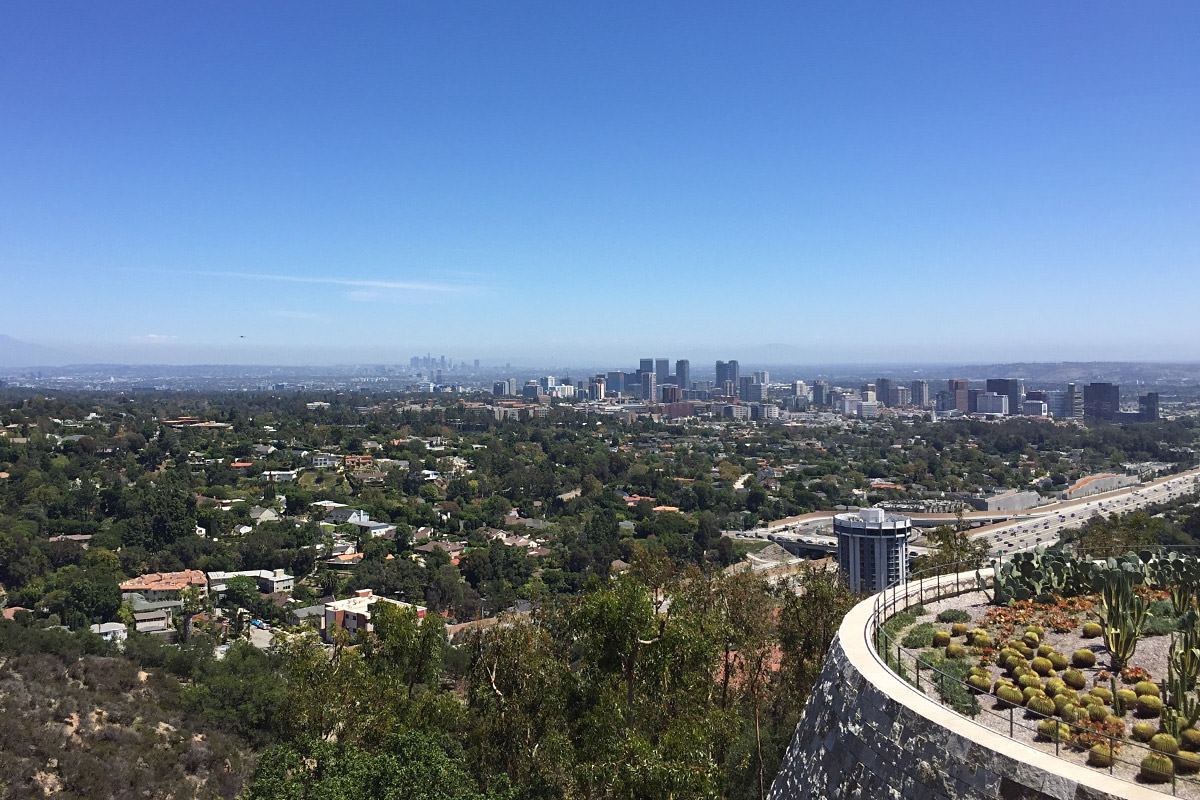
(1151, 654)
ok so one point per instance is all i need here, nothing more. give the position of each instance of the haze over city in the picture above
(571, 183)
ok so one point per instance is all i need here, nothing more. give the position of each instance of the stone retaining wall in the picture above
(867, 734)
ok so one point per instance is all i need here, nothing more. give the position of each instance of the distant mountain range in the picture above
(783, 361)
(16, 353)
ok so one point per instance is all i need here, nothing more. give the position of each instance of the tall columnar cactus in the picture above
(1124, 611)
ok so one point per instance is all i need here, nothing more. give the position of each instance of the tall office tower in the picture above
(820, 393)
(1101, 400)
(799, 389)
(872, 549)
(1074, 402)
(662, 370)
(671, 394)
(649, 387)
(1056, 403)
(920, 393)
(722, 373)
(884, 388)
(597, 387)
(512, 385)
(1037, 394)
(500, 388)
(868, 393)
(750, 390)
(958, 390)
(1012, 388)
(645, 365)
(763, 377)
(683, 374)
(992, 403)
(477, 363)
(728, 371)
(902, 397)
(615, 382)
(1148, 406)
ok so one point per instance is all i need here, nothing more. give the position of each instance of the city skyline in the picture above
(543, 182)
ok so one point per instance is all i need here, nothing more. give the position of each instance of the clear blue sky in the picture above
(569, 181)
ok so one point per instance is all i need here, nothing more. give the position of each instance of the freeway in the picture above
(1045, 524)
(1016, 531)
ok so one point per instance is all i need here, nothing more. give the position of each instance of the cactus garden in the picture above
(1096, 661)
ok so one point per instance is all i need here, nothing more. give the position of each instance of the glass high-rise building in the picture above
(872, 549)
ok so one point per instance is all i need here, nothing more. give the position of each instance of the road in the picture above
(1047, 523)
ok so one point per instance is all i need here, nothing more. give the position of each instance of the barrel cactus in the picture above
(1083, 658)
(1157, 768)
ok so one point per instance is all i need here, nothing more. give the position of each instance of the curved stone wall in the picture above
(867, 734)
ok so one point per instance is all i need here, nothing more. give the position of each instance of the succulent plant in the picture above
(1101, 755)
(1092, 629)
(1186, 762)
(1189, 739)
(1083, 658)
(941, 638)
(1143, 731)
(1052, 730)
(1041, 666)
(1157, 768)
(958, 629)
(1032, 691)
(955, 650)
(1058, 660)
(1105, 695)
(1097, 712)
(1148, 706)
(1146, 687)
(1164, 743)
(1008, 696)
(1040, 704)
(979, 683)
(1074, 678)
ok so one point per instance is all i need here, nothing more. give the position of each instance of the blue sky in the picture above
(320, 182)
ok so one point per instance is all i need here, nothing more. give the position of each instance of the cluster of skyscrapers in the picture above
(655, 381)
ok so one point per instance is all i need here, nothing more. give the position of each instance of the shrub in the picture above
(1156, 768)
(936, 638)
(1164, 743)
(921, 635)
(1091, 630)
(954, 615)
(1149, 706)
(1083, 658)
(1189, 738)
(1146, 688)
(1159, 626)
(1074, 678)
(1042, 705)
(1101, 755)
(918, 610)
(1041, 666)
(1058, 660)
(1143, 731)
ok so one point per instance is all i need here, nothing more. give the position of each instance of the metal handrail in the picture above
(885, 607)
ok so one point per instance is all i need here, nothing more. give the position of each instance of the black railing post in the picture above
(1011, 722)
